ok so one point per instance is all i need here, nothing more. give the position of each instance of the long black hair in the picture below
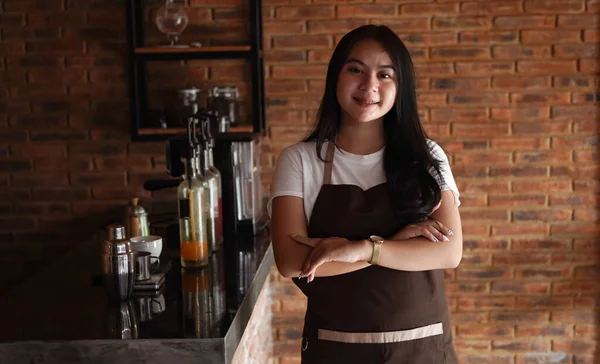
(407, 157)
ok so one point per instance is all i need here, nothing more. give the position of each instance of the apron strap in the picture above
(328, 163)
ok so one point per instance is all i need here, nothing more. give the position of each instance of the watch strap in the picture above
(377, 243)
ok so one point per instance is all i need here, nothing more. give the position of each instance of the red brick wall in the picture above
(256, 345)
(510, 90)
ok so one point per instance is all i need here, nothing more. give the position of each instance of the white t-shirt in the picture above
(299, 172)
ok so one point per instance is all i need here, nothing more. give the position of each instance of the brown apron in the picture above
(376, 314)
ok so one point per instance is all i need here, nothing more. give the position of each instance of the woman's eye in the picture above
(385, 75)
(354, 70)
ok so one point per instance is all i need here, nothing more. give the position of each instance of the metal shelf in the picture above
(210, 52)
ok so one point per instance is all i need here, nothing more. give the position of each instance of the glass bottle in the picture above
(219, 194)
(212, 212)
(191, 194)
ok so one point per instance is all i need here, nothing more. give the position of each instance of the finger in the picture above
(437, 233)
(304, 240)
(443, 228)
(427, 234)
(309, 262)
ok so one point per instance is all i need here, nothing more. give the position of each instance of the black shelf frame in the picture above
(137, 67)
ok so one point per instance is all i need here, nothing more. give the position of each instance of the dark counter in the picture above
(63, 314)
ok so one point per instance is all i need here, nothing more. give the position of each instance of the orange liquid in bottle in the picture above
(194, 253)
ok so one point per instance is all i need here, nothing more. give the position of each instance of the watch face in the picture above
(376, 239)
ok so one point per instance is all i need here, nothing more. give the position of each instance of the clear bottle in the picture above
(213, 213)
(217, 175)
(192, 196)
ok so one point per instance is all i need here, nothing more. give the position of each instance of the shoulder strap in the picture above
(328, 163)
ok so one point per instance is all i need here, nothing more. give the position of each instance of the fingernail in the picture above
(446, 238)
(307, 280)
(435, 239)
(450, 232)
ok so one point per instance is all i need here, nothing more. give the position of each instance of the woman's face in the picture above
(367, 83)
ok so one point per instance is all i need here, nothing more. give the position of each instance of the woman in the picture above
(365, 215)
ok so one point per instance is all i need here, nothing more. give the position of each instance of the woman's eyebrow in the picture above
(354, 60)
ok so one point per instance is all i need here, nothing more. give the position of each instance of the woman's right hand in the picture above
(428, 228)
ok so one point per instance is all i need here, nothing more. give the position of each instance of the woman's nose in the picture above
(369, 83)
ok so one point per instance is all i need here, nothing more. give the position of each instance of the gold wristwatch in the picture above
(377, 243)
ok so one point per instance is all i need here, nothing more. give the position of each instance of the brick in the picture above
(546, 67)
(459, 83)
(496, 7)
(578, 21)
(543, 98)
(433, 68)
(475, 260)
(487, 37)
(485, 68)
(526, 345)
(58, 135)
(305, 12)
(589, 66)
(73, 164)
(479, 303)
(591, 35)
(550, 36)
(509, 82)
(585, 97)
(426, 9)
(480, 98)
(543, 157)
(60, 194)
(291, 72)
(554, 6)
(585, 126)
(12, 19)
(509, 259)
(520, 51)
(543, 357)
(542, 302)
(97, 148)
(459, 52)
(520, 287)
(519, 143)
(573, 111)
(484, 273)
(577, 51)
(578, 346)
(542, 273)
(561, 127)
(519, 317)
(461, 22)
(518, 229)
(39, 180)
(524, 21)
(305, 41)
(98, 179)
(15, 165)
(493, 215)
(462, 346)
(428, 39)
(371, 10)
(462, 114)
(521, 113)
(404, 23)
(519, 200)
(334, 26)
(585, 287)
(485, 359)
(565, 316)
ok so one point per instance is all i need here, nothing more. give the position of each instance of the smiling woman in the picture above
(365, 214)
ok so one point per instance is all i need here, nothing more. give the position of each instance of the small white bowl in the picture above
(150, 243)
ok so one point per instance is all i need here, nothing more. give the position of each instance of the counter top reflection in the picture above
(196, 314)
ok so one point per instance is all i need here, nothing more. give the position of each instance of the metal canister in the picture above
(118, 263)
(137, 219)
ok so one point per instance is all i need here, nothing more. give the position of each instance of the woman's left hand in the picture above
(331, 250)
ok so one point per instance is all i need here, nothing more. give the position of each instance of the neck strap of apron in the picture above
(328, 163)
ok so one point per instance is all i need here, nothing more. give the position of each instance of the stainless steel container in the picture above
(122, 320)
(137, 219)
(118, 263)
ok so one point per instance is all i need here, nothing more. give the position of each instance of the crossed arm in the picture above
(294, 259)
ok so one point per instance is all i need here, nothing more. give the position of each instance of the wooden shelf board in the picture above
(163, 50)
(173, 131)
